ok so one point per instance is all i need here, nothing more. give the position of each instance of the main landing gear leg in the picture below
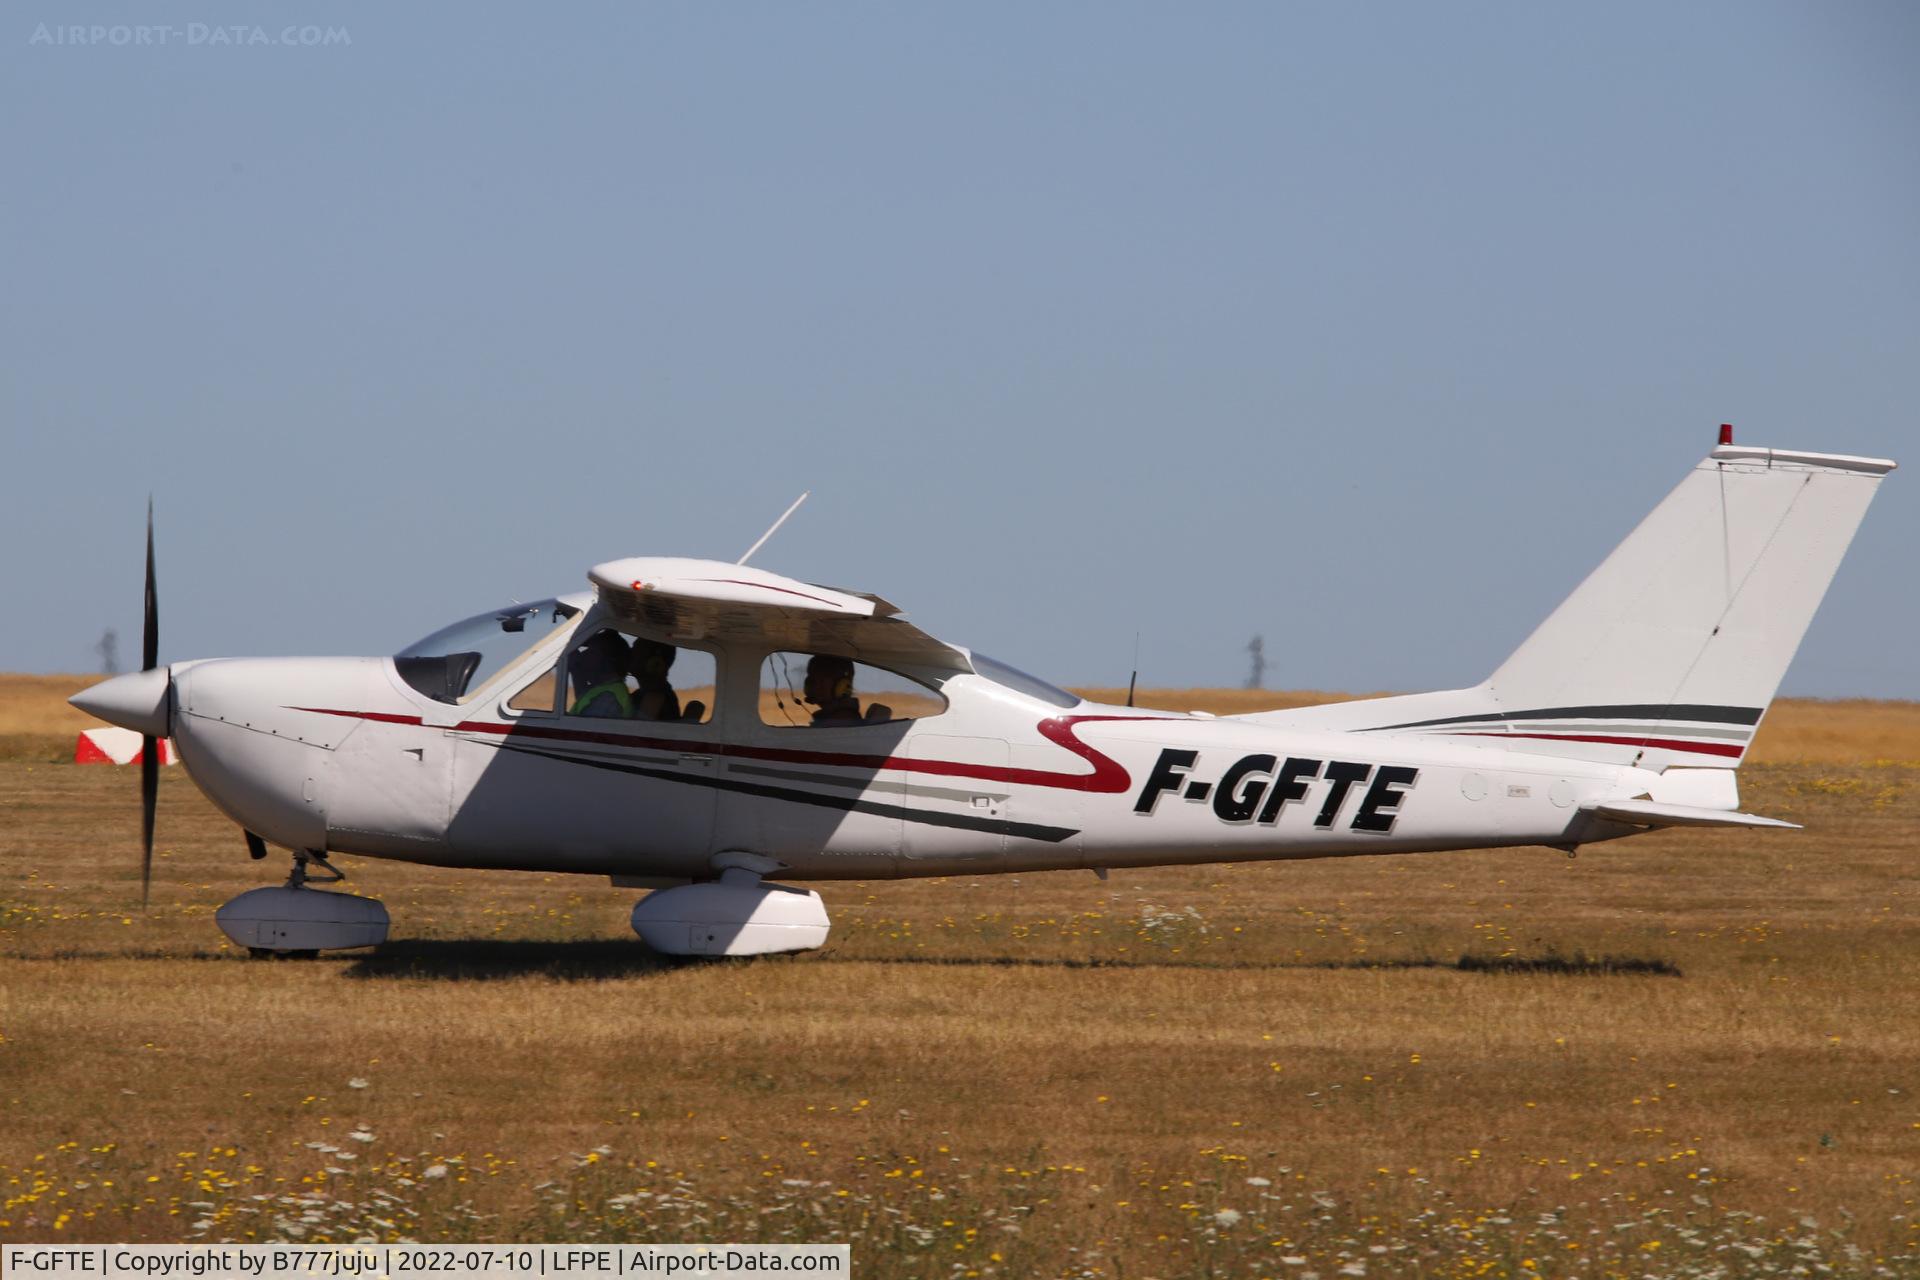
(294, 920)
(302, 858)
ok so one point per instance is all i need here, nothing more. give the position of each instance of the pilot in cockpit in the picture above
(829, 687)
(598, 668)
(648, 662)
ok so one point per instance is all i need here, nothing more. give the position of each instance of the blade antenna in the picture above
(775, 529)
(1134, 679)
(149, 745)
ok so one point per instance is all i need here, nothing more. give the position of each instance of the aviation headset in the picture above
(840, 669)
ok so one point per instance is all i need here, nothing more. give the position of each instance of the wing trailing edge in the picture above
(686, 601)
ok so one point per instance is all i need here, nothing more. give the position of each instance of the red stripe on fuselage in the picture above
(1670, 744)
(1108, 776)
(383, 717)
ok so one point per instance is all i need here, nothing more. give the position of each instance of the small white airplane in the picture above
(697, 728)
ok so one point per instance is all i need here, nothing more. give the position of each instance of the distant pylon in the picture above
(109, 650)
(1258, 648)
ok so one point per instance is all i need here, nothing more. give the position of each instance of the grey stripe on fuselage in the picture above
(865, 784)
(592, 751)
(1659, 730)
(627, 757)
(1688, 712)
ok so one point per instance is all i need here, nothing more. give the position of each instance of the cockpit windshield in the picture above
(455, 661)
(1021, 682)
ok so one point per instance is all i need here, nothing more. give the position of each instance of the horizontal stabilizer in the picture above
(1651, 813)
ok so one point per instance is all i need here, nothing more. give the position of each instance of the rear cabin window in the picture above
(817, 690)
(1016, 679)
(614, 676)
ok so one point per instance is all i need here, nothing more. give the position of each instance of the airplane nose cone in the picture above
(138, 700)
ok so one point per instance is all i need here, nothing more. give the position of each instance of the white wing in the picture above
(681, 600)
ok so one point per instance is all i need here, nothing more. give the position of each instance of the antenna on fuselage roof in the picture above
(774, 529)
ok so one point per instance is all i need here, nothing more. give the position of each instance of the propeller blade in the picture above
(150, 627)
(149, 745)
(149, 794)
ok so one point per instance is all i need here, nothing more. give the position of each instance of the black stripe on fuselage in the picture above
(928, 817)
(1695, 711)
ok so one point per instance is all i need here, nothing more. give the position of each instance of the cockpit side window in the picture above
(823, 690)
(536, 696)
(454, 662)
(614, 676)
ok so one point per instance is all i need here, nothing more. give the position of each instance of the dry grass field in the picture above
(1683, 1054)
(35, 721)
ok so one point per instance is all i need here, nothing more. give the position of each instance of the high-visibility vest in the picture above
(618, 688)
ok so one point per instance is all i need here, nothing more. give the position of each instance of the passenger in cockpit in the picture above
(648, 662)
(598, 669)
(829, 687)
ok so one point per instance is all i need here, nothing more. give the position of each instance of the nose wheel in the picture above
(295, 920)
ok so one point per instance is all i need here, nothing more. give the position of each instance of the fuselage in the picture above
(344, 754)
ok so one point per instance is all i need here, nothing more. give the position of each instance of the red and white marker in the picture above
(115, 746)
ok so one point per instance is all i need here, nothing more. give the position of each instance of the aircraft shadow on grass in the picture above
(1550, 963)
(594, 960)
(457, 960)
(591, 960)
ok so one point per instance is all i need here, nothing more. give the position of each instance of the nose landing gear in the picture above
(292, 919)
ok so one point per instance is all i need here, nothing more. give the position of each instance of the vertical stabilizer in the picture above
(1678, 641)
(1670, 651)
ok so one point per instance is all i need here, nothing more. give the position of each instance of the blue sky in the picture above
(1369, 328)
